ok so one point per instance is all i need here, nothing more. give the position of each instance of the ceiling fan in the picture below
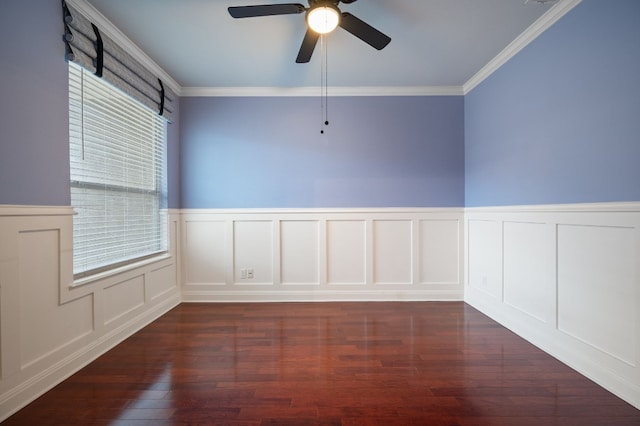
(322, 16)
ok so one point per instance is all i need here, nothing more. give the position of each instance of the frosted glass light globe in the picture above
(323, 19)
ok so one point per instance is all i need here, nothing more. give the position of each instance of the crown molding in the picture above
(317, 91)
(549, 18)
(120, 38)
(555, 13)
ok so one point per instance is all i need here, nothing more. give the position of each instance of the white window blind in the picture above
(118, 185)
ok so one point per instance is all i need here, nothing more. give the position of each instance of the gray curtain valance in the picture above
(92, 49)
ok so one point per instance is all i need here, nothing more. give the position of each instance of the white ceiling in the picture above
(434, 42)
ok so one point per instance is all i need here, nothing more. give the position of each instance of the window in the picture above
(118, 183)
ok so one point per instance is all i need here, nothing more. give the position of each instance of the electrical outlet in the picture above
(250, 273)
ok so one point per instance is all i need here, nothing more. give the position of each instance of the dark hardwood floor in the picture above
(326, 364)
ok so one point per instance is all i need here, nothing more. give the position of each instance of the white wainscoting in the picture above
(317, 255)
(50, 328)
(567, 278)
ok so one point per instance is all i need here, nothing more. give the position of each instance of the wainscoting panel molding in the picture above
(50, 327)
(300, 252)
(393, 251)
(253, 250)
(567, 278)
(440, 245)
(347, 252)
(324, 254)
(205, 263)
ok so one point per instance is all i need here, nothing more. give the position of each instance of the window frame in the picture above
(158, 220)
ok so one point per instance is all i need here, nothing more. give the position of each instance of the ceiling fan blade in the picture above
(364, 31)
(308, 45)
(265, 10)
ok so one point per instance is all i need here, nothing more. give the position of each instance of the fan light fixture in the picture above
(323, 19)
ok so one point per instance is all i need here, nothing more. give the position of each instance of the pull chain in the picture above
(324, 85)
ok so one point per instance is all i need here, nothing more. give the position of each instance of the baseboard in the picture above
(328, 296)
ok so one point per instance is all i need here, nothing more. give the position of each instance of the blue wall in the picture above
(560, 122)
(269, 153)
(34, 122)
(173, 159)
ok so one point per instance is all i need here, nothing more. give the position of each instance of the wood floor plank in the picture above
(383, 363)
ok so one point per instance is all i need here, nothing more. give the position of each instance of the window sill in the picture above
(120, 270)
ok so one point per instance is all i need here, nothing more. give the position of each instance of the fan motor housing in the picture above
(316, 3)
